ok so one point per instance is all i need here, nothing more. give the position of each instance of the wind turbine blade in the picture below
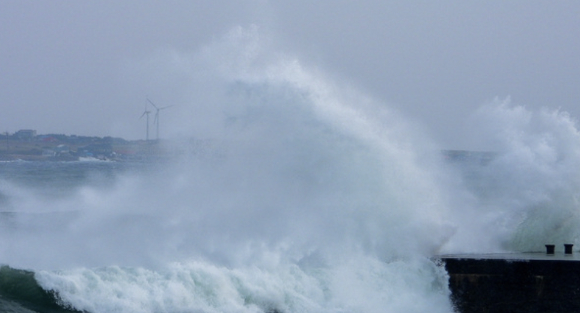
(165, 107)
(153, 104)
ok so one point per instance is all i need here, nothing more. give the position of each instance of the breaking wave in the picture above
(291, 192)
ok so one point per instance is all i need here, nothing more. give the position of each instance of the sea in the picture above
(284, 190)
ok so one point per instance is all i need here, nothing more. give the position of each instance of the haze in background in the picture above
(87, 67)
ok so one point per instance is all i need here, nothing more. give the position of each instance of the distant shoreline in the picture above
(28, 146)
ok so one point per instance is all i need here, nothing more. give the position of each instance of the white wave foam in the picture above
(358, 285)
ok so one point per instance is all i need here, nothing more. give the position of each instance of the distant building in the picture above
(46, 138)
(25, 134)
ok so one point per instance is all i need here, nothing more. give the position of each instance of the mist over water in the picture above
(305, 195)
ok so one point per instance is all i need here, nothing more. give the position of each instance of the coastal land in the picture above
(28, 146)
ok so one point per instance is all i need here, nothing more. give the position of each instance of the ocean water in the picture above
(305, 195)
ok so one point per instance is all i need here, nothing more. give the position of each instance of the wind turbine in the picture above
(147, 128)
(156, 120)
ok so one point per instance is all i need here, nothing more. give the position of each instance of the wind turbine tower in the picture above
(156, 120)
(147, 126)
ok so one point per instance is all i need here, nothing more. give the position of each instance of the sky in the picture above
(88, 67)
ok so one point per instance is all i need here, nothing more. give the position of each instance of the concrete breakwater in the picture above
(515, 282)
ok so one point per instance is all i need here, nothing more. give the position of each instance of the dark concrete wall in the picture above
(507, 285)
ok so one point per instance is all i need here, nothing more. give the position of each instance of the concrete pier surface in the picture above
(514, 282)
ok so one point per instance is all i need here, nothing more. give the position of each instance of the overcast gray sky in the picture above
(81, 67)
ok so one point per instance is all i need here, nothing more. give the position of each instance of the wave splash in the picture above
(200, 286)
(532, 187)
(308, 196)
(20, 292)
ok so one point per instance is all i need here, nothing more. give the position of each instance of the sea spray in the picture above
(359, 284)
(305, 196)
(533, 182)
(306, 189)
